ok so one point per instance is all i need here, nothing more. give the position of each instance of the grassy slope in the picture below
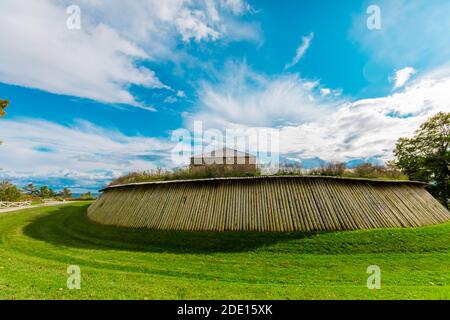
(37, 245)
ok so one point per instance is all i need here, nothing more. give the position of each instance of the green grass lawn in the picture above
(37, 246)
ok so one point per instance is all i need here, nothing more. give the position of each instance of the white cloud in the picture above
(102, 59)
(174, 98)
(402, 76)
(170, 99)
(242, 95)
(301, 50)
(238, 7)
(311, 125)
(157, 26)
(191, 26)
(325, 91)
(38, 51)
(82, 152)
(367, 128)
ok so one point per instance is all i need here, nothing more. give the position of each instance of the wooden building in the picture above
(225, 159)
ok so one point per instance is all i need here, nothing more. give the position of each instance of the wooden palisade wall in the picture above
(268, 204)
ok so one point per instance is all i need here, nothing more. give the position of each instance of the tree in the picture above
(9, 192)
(46, 192)
(3, 106)
(426, 156)
(31, 190)
(66, 193)
(369, 170)
(87, 196)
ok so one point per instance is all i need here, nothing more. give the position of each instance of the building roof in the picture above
(224, 152)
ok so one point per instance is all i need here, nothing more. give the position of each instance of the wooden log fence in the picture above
(8, 204)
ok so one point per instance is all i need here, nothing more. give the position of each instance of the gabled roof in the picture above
(225, 152)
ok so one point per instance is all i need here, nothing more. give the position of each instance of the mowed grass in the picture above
(37, 246)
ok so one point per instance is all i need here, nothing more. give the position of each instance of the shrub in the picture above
(330, 169)
(368, 170)
(9, 192)
(202, 172)
(87, 196)
(294, 169)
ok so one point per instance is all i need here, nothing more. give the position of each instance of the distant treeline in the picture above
(11, 193)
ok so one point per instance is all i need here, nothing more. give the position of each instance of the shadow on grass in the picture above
(69, 226)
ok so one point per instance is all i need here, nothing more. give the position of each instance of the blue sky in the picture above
(92, 103)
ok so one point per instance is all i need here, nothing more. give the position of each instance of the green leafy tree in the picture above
(426, 156)
(371, 171)
(3, 106)
(87, 196)
(66, 193)
(46, 192)
(31, 190)
(9, 192)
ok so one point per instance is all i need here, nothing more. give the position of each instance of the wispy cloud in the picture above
(301, 50)
(368, 128)
(82, 152)
(238, 7)
(402, 76)
(243, 95)
(328, 127)
(103, 59)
